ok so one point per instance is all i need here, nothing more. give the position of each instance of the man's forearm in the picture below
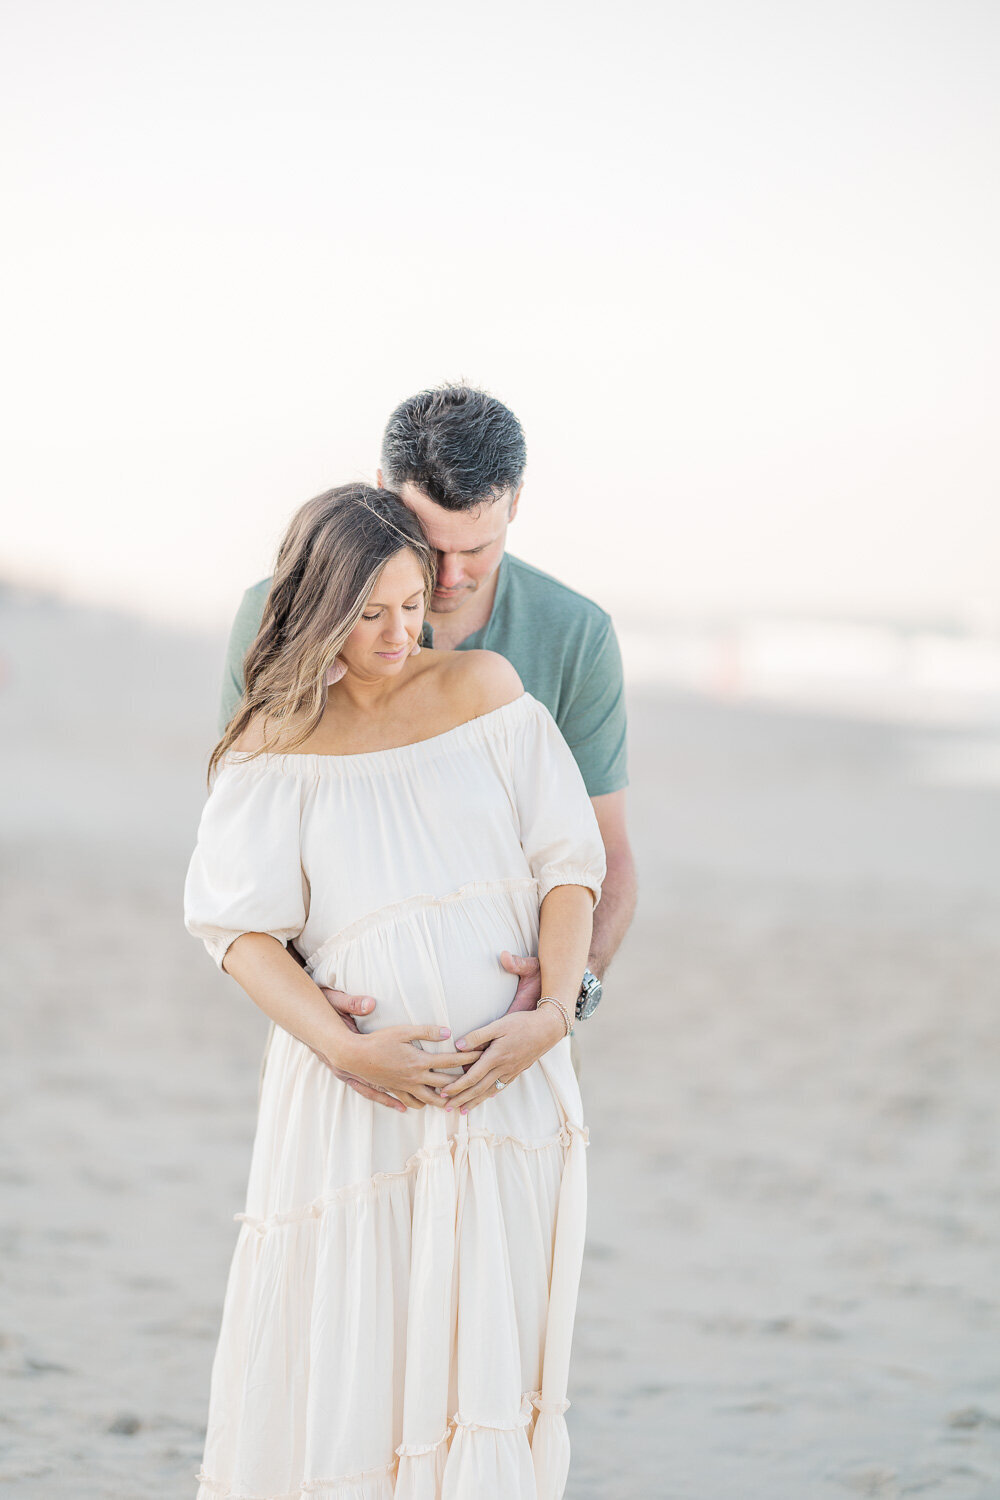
(613, 914)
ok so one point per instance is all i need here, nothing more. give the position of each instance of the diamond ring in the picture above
(499, 1085)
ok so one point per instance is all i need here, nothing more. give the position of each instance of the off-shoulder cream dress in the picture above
(400, 1305)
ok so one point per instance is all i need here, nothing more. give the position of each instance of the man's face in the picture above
(468, 544)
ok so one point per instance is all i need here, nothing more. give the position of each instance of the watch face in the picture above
(590, 999)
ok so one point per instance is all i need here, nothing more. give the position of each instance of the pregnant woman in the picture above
(400, 1305)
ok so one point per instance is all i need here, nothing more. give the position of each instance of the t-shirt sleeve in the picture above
(557, 827)
(246, 872)
(241, 637)
(594, 720)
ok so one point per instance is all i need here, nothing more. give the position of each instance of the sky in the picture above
(732, 264)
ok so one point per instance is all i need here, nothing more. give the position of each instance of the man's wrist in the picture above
(589, 996)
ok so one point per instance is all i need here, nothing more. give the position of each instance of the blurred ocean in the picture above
(902, 673)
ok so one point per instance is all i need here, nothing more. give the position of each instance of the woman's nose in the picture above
(395, 631)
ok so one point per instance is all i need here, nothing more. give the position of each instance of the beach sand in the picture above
(792, 1285)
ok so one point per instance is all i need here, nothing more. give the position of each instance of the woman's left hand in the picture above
(512, 1044)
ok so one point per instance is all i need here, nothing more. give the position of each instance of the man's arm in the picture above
(616, 908)
(594, 725)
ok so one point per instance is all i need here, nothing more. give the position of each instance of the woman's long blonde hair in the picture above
(332, 553)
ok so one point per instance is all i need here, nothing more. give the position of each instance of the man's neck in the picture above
(451, 629)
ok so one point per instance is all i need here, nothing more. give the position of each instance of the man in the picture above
(456, 457)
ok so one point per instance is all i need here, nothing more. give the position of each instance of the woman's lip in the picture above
(391, 655)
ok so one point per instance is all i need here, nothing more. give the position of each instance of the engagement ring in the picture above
(499, 1085)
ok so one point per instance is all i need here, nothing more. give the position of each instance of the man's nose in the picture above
(449, 570)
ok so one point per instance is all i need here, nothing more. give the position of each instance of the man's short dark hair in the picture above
(460, 446)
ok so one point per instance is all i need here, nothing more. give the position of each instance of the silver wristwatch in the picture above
(589, 997)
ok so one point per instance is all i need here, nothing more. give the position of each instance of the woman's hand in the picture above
(347, 1007)
(382, 1060)
(387, 1060)
(374, 1095)
(511, 1044)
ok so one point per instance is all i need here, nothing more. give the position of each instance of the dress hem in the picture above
(531, 1402)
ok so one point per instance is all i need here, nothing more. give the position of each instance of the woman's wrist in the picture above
(335, 1041)
(553, 1011)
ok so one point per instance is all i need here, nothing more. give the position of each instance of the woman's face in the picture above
(391, 622)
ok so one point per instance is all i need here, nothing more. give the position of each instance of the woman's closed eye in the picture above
(375, 616)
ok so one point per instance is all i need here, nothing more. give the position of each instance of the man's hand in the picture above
(529, 987)
(349, 1006)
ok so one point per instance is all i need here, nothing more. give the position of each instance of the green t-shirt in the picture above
(563, 647)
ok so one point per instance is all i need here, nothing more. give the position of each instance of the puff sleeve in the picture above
(557, 826)
(246, 872)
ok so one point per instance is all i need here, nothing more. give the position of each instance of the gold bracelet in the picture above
(551, 1000)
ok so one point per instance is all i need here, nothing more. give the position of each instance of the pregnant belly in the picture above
(437, 964)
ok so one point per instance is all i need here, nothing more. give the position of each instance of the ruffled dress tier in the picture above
(399, 1311)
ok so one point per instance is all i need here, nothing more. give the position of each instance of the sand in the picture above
(792, 1286)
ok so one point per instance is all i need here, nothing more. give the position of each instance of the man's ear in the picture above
(513, 504)
(378, 480)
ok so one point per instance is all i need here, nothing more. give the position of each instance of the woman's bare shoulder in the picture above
(482, 681)
(250, 738)
(263, 733)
